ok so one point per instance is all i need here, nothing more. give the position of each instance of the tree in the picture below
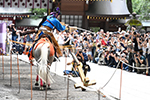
(142, 8)
(38, 13)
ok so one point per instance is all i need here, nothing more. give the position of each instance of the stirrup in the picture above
(56, 59)
(36, 83)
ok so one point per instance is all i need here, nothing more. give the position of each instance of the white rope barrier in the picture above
(111, 76)
(133, 66)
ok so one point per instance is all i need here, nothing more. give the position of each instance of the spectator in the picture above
(8, 38)
(130, 58)
(140, 62)
(14, 34)
(60, 38)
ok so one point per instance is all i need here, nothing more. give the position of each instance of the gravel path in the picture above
(58, 89)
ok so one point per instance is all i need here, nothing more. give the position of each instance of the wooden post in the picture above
(18, 72)
(65, 65)
(46, 83)
(65, 62)
(55, 67)
(3, 62)
(68, 88)
(31, 79)
(10, 69)
(98, 94)
(120, 82)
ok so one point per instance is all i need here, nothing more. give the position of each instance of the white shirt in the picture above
(148, 46)
(60, 38)
(144, 50)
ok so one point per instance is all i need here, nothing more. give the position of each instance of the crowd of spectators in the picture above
(15, 35)
(131, 47)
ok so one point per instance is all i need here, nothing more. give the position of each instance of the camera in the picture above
(136, 55)
(80, 51)
(134, 33)
(126, 35)
(25, 29)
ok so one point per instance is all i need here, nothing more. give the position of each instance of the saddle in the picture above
(43, 39)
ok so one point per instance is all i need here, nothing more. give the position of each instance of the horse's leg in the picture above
(49, 86)
(37, 79)
(41, 84)
(44, 85)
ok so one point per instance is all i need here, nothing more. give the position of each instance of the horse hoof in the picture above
(44, 85)
(49, 87)
(36, 84)
(41, 88)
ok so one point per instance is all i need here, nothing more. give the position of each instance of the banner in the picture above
(3, 36)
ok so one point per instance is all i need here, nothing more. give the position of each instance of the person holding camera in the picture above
(130, 57)
(140, 61)
(14, 34)
(110, 59)
(124, 59)
(67, 39)
(83, 58)
(134, 40)
(148, 54)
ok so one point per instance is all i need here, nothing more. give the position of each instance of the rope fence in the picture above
(134, 67)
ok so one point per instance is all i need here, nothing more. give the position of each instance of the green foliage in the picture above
(142, 7)
(95, 29)
(132, 22)
(39, 12)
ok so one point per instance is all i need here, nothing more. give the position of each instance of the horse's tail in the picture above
(44, 58)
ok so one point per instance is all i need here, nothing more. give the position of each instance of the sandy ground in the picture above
(58, 89)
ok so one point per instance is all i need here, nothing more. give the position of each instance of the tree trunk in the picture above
(129, 5)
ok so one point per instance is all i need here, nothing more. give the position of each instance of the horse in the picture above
(43, 52)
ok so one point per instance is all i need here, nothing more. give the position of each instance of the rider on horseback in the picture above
(47, 25)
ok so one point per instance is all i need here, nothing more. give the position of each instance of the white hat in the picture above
(123, 32)
(126, 34)
(79, 47)
(110, 32)
(64, 32)
(123, 55)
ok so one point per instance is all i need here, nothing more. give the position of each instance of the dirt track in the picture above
(58, 89)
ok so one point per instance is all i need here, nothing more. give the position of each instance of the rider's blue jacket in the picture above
(55, 22)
